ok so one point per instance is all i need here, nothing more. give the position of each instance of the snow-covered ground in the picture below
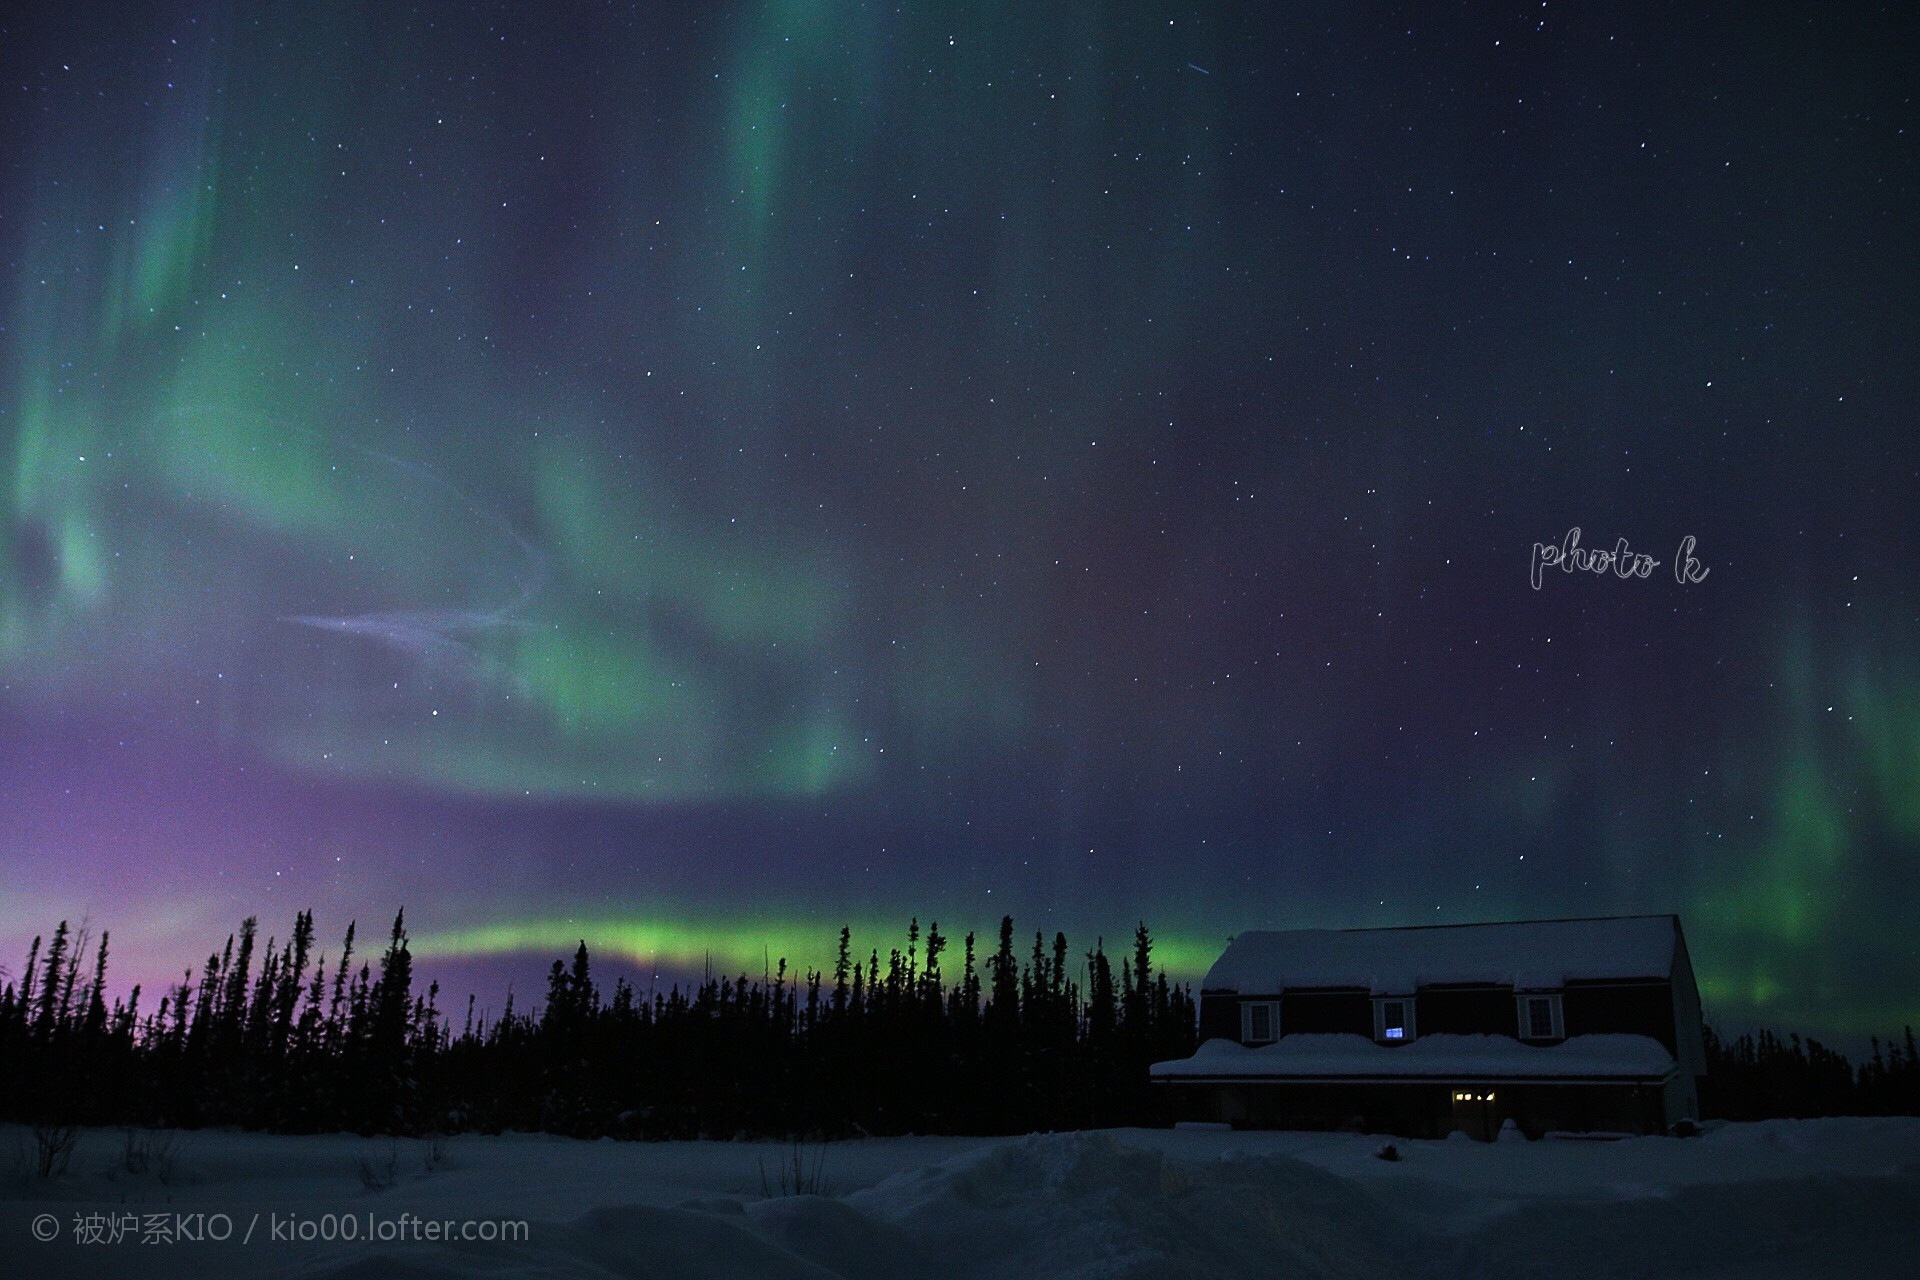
(1782, 1198)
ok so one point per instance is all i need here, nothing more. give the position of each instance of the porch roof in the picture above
(1309, 1057)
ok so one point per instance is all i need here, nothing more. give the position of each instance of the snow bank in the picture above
(1093, 1206)
(1784, 1198)
(1333, 1056)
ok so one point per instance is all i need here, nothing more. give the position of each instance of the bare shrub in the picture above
(434, 1150)
(150, 1151)
(52, 1153)
(382, 1170)
(802, 1172)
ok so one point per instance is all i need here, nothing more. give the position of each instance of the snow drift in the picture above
(1781, 1198)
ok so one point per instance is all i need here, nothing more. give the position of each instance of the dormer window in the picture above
(1259, 1021)
(1540, 1017)
(1393, 1019)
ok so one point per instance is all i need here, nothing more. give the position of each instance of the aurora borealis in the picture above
(691, 476)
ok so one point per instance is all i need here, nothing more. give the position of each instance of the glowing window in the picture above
(1393, 1018)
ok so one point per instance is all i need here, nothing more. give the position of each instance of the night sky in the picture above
(688, 476)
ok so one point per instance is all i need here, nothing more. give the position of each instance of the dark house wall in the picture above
(1692, 1057)
(1467, 1011)
(1644, 1008)
(1635, 1008)
(1686, 1012)
(1219, 1015)
(1350, 1011)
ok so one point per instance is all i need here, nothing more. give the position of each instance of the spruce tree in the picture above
(1003, 1009)
(50, 982)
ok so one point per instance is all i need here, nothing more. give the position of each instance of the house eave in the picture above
(1460, 1078)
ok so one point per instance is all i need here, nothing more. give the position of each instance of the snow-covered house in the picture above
(1579, 1025)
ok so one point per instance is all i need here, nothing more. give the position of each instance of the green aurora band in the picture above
(752, 945)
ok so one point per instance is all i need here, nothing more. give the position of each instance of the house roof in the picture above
(1527, 954)
(1310, 1057)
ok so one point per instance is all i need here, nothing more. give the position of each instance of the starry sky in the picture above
(689, 476)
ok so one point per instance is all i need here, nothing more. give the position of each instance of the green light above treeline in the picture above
(756, 945)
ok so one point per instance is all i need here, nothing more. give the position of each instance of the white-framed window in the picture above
(1259, 1021)
(1540, 1017)
(1393, 1019)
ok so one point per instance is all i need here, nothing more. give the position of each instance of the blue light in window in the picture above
(1396, 1033)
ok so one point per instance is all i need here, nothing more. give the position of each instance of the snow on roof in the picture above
(1340, 1056)
(1528, 954)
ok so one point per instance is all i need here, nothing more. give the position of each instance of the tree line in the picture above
(1761, 1076)
(276, 1036)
